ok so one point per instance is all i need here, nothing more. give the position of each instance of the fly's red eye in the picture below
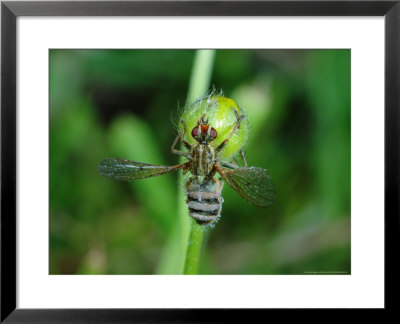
(195, 132)
(213, 133)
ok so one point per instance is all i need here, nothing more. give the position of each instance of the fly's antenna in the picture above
(203, 121)
(211, 104)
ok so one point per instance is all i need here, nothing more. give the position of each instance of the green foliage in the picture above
(121, 103)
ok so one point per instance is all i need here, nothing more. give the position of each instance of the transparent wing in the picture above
(126, 170)
(253, 184)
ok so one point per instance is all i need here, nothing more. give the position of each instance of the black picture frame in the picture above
(10, 10)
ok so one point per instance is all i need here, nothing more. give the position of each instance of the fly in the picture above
(204, 199)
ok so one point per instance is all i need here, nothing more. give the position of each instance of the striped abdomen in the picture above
(204, 200)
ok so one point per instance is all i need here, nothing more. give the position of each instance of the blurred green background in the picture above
(109, 103)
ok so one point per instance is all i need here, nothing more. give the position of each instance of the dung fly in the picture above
(203, 189)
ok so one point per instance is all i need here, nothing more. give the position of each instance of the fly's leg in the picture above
(235, 127)
(175, 151)
(243, 158)
(229, 165)
(201, 120)
(235, 164)
(180, 137)
(212, 173)
(186, 167)
(187, 145)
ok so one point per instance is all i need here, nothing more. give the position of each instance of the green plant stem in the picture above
(194, 248)
(201, 74)
(192, 233)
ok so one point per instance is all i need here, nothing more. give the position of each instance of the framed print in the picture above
(188, 160)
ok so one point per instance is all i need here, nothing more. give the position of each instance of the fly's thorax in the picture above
(202, 159)
(204, 200)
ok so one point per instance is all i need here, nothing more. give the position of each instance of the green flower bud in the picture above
(222, 114)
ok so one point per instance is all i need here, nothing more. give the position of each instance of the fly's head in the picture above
(203, 133)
